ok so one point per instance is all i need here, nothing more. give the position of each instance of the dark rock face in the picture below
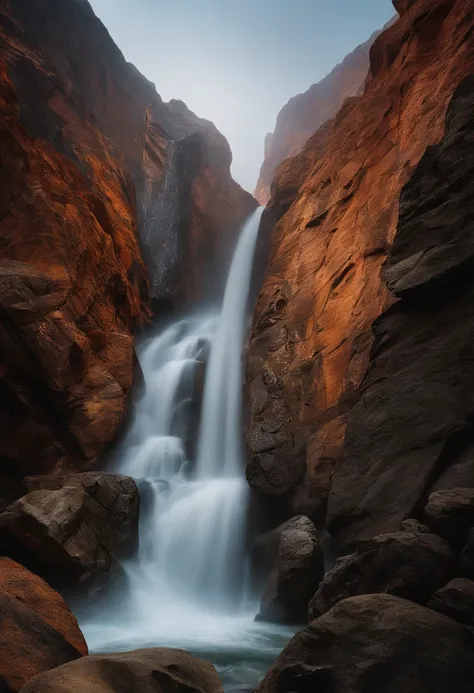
(73, 527)
(411, 432)
(451, 514)
(296, 568)
(38, 632)
(408, 565)
(456, 599)
(147, 671)
(376, 643)
(325, 428)
(85, 147)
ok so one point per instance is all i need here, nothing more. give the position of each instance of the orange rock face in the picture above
(305, 113)
(38, 630)
(337, 206)
(84, 143)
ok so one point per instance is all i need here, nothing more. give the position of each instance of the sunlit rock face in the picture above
(305, 113)
(338, 207)
(85, 149)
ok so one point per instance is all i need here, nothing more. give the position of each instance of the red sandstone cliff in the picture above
(305, 113)
(337, 208)
(84, 141)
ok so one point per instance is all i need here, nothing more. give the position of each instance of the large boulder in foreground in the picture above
(297, 567)
(37, 630)
(377, 643)
(450, 514)
(157, 670)
(456, 599)
(74, 525)
(412, 565)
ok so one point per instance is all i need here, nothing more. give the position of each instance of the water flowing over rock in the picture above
(86, 143)
(188, 577)
(377, 643)
(337, 206)
(147, 671)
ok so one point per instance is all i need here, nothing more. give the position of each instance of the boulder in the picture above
(451, 514)
(456, 599)
(377, 643)
(409, 565)
(157, 670)
(73, 526)
(38, 631)
(297, 567)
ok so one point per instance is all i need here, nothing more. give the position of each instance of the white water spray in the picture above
(184, 587)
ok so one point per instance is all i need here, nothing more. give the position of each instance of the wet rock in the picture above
(157, 670)
(456, 599)
(296, 565)
(377, 643)
(38, 631)
(451, 514)
(408, 565)
(73, 526)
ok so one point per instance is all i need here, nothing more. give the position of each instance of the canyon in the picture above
(129, 260)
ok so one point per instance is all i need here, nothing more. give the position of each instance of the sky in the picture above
(237, 62)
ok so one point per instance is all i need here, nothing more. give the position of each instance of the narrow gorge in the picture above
(236, 437)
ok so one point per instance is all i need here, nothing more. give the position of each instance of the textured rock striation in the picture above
(86, 152)
(314, 367)
(305, 113)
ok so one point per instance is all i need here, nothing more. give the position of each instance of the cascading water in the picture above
(185, 586)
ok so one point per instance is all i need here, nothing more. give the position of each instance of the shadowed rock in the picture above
(377, 643)
(38, 631)
(408, 565)
(144, 671)
(296, 564)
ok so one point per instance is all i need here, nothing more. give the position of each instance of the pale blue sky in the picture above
(237, 62)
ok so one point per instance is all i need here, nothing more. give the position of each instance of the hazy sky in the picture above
(237, 62)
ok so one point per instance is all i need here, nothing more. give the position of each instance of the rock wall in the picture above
(305, 113)
(337, 211)
(84, 143)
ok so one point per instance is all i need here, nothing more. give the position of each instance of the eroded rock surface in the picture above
(405, 564)
(73, 528)
(85, 147)
(148, 671)
(377, 643)
(338, 209)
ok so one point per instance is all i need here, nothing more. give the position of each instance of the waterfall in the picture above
(185, 584)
